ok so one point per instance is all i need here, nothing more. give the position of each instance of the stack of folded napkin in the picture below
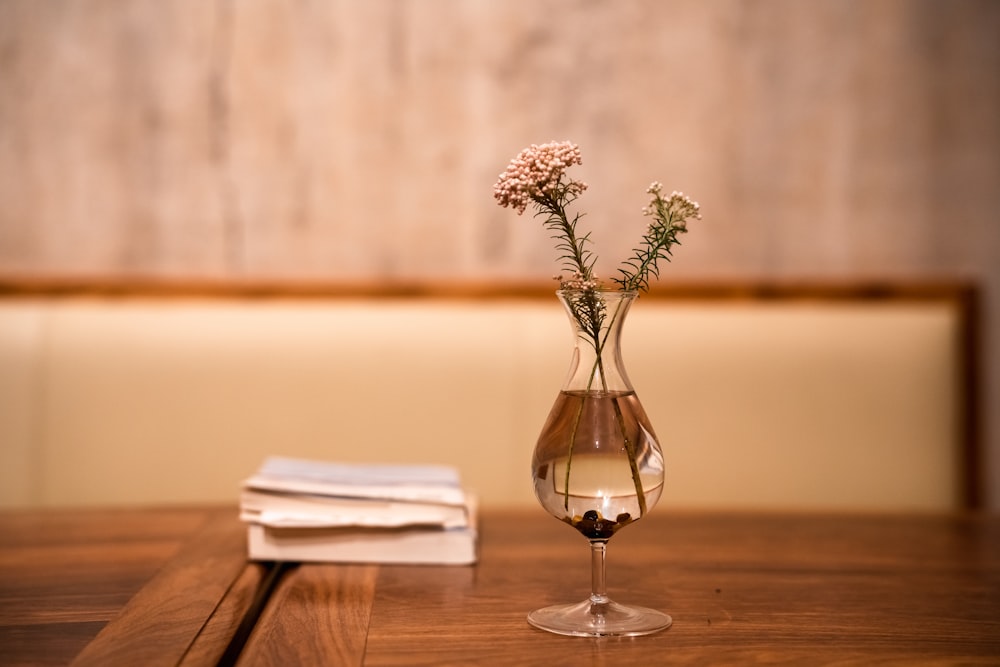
(299, 510)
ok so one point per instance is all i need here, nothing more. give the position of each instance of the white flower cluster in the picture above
(677, 207)
(537, 171)
(577, 281)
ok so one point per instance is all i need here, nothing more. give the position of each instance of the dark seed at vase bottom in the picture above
(595, 527)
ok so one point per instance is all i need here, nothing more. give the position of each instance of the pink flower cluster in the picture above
(537, 171)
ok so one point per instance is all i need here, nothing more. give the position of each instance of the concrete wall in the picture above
(332, 140)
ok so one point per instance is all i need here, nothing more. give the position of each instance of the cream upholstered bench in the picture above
(787, 397)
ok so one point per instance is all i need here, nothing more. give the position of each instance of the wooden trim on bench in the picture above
(754, 290)
(965, 295)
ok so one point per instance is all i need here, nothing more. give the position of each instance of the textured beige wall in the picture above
(340, 140)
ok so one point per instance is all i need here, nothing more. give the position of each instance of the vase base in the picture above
(603, 619)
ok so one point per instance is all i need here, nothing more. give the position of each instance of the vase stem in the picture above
(598, 583)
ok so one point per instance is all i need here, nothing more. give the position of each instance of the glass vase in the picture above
(597, 465)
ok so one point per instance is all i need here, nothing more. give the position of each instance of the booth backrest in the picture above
(761, 400)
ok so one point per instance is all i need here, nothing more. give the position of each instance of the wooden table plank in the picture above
(741, 590)
(162, 621)
(318, 616)
(224, 633)
(65, 573)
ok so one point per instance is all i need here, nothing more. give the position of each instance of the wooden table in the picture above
(171, 586)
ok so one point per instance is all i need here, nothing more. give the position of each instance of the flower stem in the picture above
(558, 221)
(633, 464)
(598, 343)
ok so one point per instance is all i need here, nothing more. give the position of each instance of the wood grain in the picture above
(64, 574)
(319, 615)
(782, 589)
(161, 623)
(741, 590)
(223, 635)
